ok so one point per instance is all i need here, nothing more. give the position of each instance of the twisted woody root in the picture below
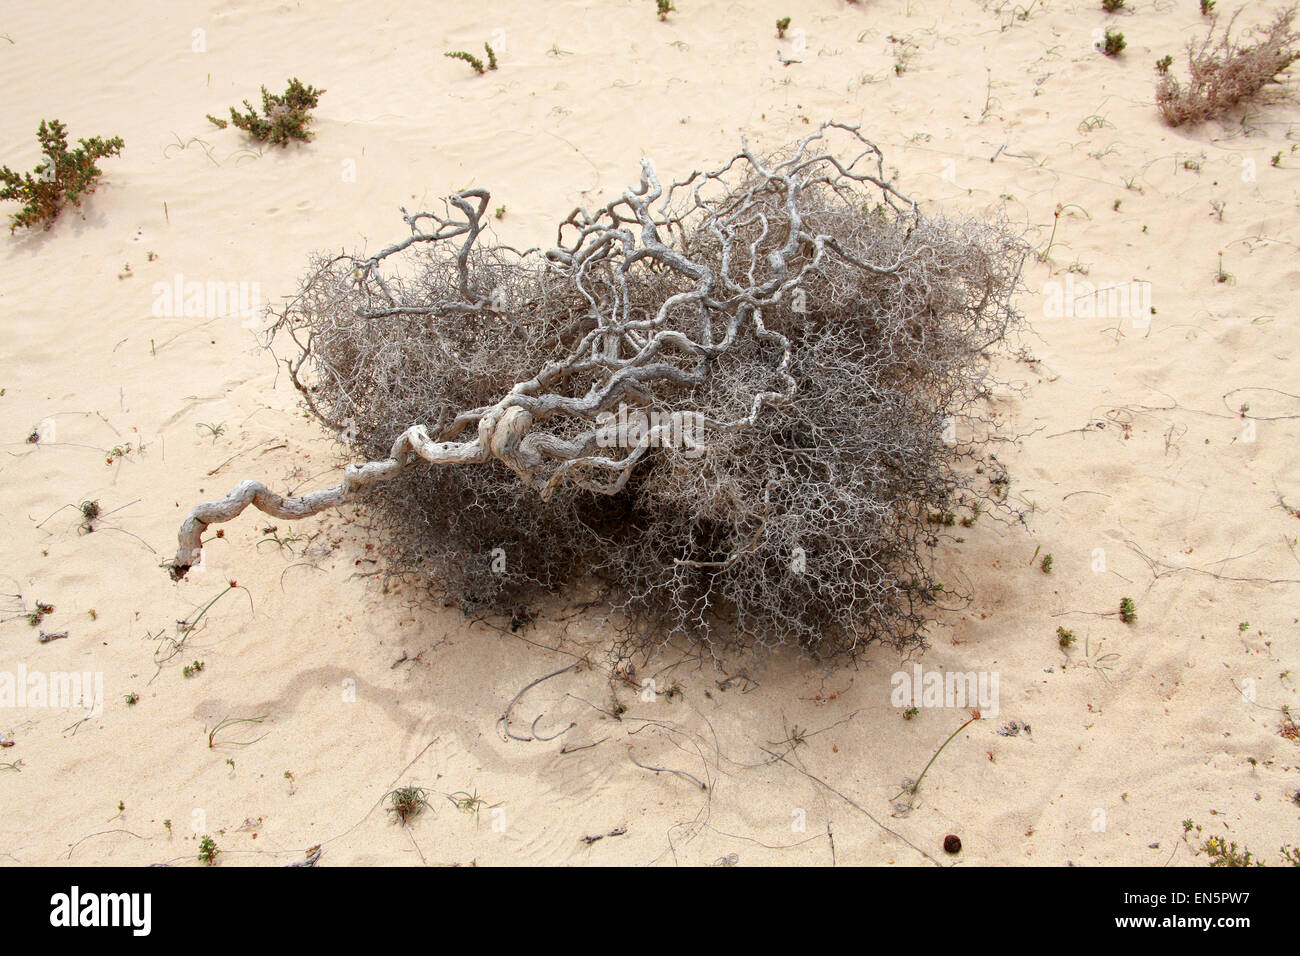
(798, 313)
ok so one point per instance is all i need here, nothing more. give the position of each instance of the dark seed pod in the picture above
(951, 843)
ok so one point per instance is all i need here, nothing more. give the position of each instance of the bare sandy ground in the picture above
(1138, 470)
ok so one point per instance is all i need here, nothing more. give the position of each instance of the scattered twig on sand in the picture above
(912, 789)
(311, 859)
(680, 773)
(504, 720)
(617, 831)
(856, 806)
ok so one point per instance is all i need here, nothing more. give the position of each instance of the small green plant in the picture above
(63, 177)
(904, 50)
(1127, 611)
(1222, 853)
(1163, 64)
(207, 850)
(227, 722)
(1110, 6)
(90, 513)
(189, 670)
(469, 58)
(501, 212)
(470, 802)
(1065, 638)
(132, 699)
(1113, 43)
(663, 8)
(286, 116)
(214, 431)
(38, 615)
(781, 26)
(1046, 564)
(1275, 162)
(406, 803)
(492, 57)
(911, 712)
(1207, 8)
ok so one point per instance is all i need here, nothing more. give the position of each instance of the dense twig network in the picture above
(730, 398)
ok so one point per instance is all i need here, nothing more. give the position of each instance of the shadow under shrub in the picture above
(820, 331)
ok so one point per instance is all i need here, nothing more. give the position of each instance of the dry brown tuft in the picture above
(1223, 73)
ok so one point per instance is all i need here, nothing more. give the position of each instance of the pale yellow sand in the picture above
(1110, 768)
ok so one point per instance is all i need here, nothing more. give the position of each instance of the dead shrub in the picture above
(820, 331)
(1223, 73)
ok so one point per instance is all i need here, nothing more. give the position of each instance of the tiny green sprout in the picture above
(492, 57)
(215, 431)
(189, 670)
(1207, 8)
(663, 8)
(167, 824)
(1113, 44)
(911, 712)
(1164, 63)
(1223, 277)
(208, 851)
(1111, 6)
(1065, 638)
(1127, 610)
(1244, 626)
(1115, 205)
(1275, 162)
(132, 699)
(1046, 564)
(501, 212)
(121, 806)
(781, 26)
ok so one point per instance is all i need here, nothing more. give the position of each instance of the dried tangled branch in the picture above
(726, 398)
